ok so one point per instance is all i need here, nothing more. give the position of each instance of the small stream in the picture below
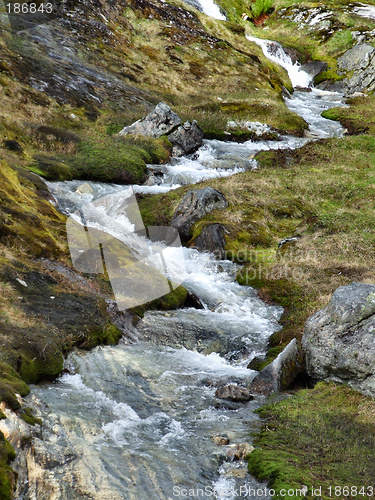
(135, 421)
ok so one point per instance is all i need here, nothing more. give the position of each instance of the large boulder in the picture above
(161, 121)
(314, 68)
(194, 205)
(339, 340)
(186, 139)
(281, 373)
(359, 62)
(212, 240)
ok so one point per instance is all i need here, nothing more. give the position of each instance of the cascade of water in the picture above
(209, 7)
(275, 52)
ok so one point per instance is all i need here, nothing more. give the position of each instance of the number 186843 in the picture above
(29, 8)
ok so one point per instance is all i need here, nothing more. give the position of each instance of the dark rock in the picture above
(186, 139)
(212, 240)
(13, 145)
(314, 68)
(194, 205)
(256, 363)
(302, 89)
(339, 340)
(162, 120)
(285, 93)
(234, 393)
(281, 373)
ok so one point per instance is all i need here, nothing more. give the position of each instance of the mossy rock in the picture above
(51, 169)
(27, 416)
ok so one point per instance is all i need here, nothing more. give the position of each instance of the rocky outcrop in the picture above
(161, 121)
(280, 374)
(361, 60)
(234, 393)
(186, 139)
(339, 340)
(194, 205)
(212, 240)
(314, 68)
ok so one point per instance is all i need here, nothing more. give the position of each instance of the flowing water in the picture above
(135, 421)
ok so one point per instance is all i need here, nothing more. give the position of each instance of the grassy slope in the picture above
(319, 438)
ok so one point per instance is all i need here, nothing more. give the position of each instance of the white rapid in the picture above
(275, 52)
(209, 7)
(135, 421)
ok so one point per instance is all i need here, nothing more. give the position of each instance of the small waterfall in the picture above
(275, 52)
(208, 7)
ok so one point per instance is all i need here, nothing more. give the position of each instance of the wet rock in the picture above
(186, 139)
(234, 393)
(239, 451)
(212, 240)
(185, 328)
(257, 131)
(194, 205)
(280, 374)
(162, 120)
(221, 440)
(314, 68)
(85, 189)
(339, 340)
(302, 89)
(287, 243)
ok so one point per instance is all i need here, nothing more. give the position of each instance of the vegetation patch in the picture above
(322, 437)
(7, 476)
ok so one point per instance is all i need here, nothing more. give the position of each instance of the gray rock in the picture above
(359, 57)
(186, 139)
(212, 240)
(194, 205)
(234, 393)
(361, 61)
(279, 374)
(314, 68)
(339, 340)
(161, 121)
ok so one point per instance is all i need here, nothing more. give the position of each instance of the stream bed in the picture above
(135, 421)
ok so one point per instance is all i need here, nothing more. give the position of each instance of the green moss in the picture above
(118, 159)
(7, 476)
(172, 300)
(50, 168)
(10, 385)
(358, 118)
(320, 437)
(27, 416)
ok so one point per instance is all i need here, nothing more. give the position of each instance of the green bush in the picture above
(261, 7)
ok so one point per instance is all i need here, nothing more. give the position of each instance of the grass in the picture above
(261, 7)
(322, 437)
